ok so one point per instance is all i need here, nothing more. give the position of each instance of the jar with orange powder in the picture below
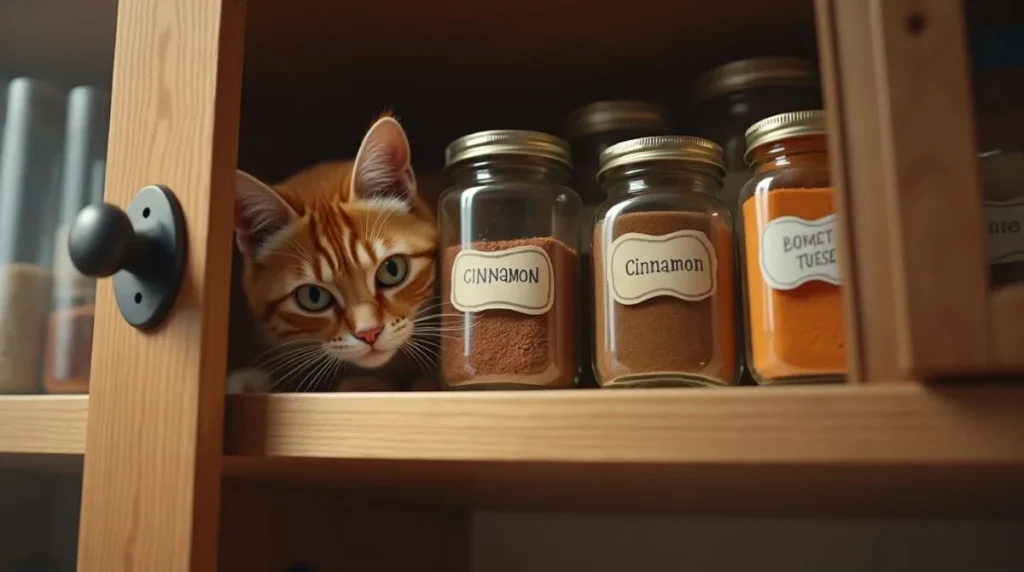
(793, 300)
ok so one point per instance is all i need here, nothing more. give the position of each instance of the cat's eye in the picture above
(313, 298)
(392, 271)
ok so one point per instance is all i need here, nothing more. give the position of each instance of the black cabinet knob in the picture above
(102, 241)
(143, 248)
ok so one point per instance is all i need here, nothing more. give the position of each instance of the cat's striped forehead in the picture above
(353, 239)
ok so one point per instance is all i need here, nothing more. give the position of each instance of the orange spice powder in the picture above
(798, 332)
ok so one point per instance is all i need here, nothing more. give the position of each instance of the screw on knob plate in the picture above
(143, 248)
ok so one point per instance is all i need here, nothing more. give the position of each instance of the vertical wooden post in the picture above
(152, 474)
(896, 85)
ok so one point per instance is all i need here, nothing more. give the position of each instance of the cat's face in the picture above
(342, 254)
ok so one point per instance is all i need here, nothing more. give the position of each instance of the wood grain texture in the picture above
(272, 526)
(153, 463)
(51, 424)
(934, 205)
(1006, 311)
(850, 85)
(883, 423)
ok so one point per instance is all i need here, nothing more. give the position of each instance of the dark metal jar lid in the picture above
(754, 72)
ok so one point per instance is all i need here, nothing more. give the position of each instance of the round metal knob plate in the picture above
(145, 299)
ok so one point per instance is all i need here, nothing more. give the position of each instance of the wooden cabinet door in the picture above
(897, 80)
(151, 488)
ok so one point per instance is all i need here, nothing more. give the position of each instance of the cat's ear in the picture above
(382, 168)
(259, 213)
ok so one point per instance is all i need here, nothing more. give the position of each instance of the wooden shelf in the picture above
(43, 424)
(884, 450)
(905, 423)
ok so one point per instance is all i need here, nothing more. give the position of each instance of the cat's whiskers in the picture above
(314, 377)
(429, 354)
(302, 250)
(374, 228)
(312, 373)
(289, 343)
(303, 365)
(417, 356)
(289, 360)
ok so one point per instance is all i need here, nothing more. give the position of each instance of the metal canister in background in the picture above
(69, 334)
(727, 100)
(596, 126)
(29, 190)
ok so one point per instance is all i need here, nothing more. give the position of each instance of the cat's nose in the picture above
(369, 335)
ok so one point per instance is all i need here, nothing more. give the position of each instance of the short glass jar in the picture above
(509, 267)
(664, 274)
(728, 99)
(793, 300)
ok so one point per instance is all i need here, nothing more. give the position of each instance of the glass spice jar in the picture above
(590, 130)
(509, 267)
(728, 99)
(999, 109)
(664, 302)
(793, 300)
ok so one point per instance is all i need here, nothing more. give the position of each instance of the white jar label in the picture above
(795, 251)
(681, 264)
(1005, 230)
(519, 279)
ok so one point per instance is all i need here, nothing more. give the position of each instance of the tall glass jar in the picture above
(793, 310)
(590, 130)
(664, 275)
(509, 267)
(728, 99)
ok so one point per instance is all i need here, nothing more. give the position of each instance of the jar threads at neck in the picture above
(675, 148)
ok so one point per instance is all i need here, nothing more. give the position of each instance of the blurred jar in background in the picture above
(727, 100)
(998, 60)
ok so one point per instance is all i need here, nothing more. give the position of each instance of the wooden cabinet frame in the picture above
(903, 150)
(918, 306)
(152, 477)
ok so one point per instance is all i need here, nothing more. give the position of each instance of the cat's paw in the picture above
(248, 380)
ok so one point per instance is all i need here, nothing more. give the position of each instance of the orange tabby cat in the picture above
(336, 262)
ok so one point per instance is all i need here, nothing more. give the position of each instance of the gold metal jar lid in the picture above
(662, 148)
(754, 72)
(785, 126)
(617, 115)
(507, 142)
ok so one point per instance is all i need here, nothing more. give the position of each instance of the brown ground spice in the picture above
(504, 348)
(692, 340)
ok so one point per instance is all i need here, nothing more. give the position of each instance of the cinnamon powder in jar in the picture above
(497, 348)
(666, 340)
